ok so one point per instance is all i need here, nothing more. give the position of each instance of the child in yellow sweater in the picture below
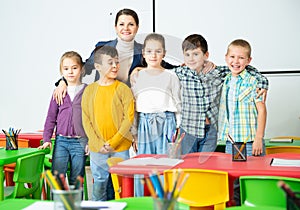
(107, 114)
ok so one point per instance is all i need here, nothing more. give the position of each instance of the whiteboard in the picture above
(271, 26)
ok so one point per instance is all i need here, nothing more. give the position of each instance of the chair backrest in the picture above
(282, 149)
(264, 190)
(28, 170)
(203, 188)
(116, 180)
(22, 143)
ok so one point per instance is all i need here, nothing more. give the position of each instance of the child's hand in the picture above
(134, 74)
(263, 93)
(60, 92)
(45, 145)
(257, 147)
(134, 143)
(86, 150)
(103, 150)
(208, 66)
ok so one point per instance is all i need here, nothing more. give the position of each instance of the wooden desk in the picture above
(11, 156)
(215, 161)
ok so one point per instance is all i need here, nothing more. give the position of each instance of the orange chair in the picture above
(282, 149)
(204, 189)
(10, 168)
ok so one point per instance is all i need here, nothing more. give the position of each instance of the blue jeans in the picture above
(192, 144)
(69, 150)
(100, 173)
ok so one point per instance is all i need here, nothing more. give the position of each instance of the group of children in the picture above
(105, 118)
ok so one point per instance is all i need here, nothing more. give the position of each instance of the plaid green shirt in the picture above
(201, 95)
(242, 124)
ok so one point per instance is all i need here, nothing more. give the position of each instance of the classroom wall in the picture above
(271, 27)
(34, 34)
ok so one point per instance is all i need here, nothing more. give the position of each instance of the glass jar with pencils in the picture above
(174, 150)
(165, 204)
(11, 138)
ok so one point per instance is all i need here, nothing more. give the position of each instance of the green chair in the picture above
(264, 191)
(27, 177)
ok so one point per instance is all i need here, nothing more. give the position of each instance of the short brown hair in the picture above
(195, 41)
(104, 50)
(240, 43)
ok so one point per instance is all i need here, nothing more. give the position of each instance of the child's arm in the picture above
(50, 122)
(60, 91)
(86, 118)
(128, 117)
(261, 124)
(176, 95)
(262, 85)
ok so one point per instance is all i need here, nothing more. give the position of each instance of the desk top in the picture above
(220, 161)
(253, 165)
(270, 144)
(132, 203)
(10, 156)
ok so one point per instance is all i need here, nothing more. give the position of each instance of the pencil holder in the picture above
(239, 152)
(11, 142)
(174, 150)
(165, 204)
(67, 199)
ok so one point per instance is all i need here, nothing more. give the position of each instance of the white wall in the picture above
(34, 34)
(271, 26)
(273, 30)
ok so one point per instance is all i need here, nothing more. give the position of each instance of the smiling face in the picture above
(126, 28)
(195, 58)
(153, 53)
(71, 71)
(237, 58)
(108, 68)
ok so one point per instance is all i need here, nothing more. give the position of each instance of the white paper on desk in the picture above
(88, 204)
(103, 205)
(151, 161)
(40, 205)
(285, 162)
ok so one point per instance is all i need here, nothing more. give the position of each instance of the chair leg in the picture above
(86, 194)
(44, 191)
(9, 178)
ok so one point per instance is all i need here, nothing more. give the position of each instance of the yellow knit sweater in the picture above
(107, 115)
